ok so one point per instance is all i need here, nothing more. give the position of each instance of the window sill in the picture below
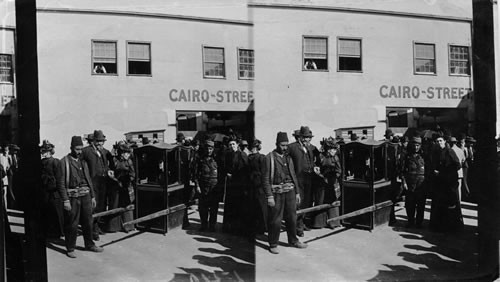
(140, 75)
(459, 75)
(105, 74)
(305, 70)
(6, 82)
(214, 77)
(350, 71)
(425, 73)
(246, 78)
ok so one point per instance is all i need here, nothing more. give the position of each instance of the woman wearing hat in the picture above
(52, 204)
(236, 194)
(257, 165)
(445, 210)
(122, 190)
(330, 172)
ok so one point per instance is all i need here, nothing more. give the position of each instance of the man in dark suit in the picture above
(100, 162)
(303, 156)
(75, 188)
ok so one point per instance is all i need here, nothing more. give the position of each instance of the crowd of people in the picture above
(262, 190)
(9, 164)
(87, 181)
(258, 191)
(436, 167)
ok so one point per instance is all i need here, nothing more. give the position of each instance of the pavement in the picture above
(344, 254)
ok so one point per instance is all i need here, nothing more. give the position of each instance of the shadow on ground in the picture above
(233, 255)
(450, 256)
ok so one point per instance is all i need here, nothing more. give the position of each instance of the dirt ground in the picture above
(385, 254)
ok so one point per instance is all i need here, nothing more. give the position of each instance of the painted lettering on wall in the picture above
(205, 96)
(431, 92)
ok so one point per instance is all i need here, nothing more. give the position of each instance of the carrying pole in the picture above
(114, 211)
(155, 215)
(362, 211)
(319, 207)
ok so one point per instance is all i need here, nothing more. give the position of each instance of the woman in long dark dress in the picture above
(446, 213)
(52, 204)
(123, 191)
(330, 172)
(236, 192)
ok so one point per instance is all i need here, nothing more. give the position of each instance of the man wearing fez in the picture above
(100, 162)
(303, 156)
(75, 187)
(413, 176)
(282, 193)
(206, 176)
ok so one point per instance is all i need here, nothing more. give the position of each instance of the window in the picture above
(246, 64)
(425, 58)
(349, 54)
(186, 122)
(459, 60)
(213, 62)
(315, 55)
(104, 57)
(397, 118)
(6, 68)
(139, 58)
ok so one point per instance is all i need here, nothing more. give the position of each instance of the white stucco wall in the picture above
(75, 102)
(289, 97)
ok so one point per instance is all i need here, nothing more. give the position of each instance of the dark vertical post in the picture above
(34, 252)
(3, 265)
(483, 50)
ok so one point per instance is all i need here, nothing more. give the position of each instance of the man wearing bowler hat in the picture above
(282, 193)
(100, 162)
(75, 188)
(180, 139)
(388, 135)
(303, 156)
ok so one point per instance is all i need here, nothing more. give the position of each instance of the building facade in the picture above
(256, 67)
(388, 65)
(120, 67)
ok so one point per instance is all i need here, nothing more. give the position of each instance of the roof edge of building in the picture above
(144, 14)
(359, 11)
(145, 131)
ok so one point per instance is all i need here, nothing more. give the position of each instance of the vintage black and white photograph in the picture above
(249, 140)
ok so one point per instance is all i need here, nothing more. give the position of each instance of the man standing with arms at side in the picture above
(75, 187)
(281, 187)
(206, 176)
(413, 176)
(303, 160)
(100, 162)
